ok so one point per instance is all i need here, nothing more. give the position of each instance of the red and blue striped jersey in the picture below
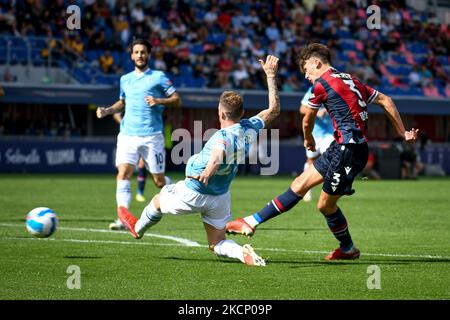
(346, 100)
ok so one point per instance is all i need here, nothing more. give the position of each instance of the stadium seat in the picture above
(196, 49)
(348, 45)
(19, 55)
(2, 55)
(91, 55)
(344, 34)
(417, 47)
(400, 59)
(199, 82)
(36, 57)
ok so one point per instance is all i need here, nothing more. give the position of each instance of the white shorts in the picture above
(149, 148)
(179, 199)
(321, 146)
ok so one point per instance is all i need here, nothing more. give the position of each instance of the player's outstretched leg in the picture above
(278, 205)
(339, 227)
(225, 248)
(284, 202)
(150, 216)
(128, 220)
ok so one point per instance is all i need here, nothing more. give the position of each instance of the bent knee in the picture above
(325, 208)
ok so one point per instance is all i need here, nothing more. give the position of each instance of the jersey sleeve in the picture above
(166, 84)
(122, 92)
(371, 93)
(257, 123)
(317, 97)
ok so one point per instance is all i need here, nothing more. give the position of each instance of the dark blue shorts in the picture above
(339, 166)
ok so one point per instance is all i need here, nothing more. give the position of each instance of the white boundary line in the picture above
(185, 242)
(102, 242)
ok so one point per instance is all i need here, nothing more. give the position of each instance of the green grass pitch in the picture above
(403, 227)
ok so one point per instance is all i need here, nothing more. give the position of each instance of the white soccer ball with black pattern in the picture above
(41, 222)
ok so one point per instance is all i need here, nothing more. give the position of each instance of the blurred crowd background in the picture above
(217, 44)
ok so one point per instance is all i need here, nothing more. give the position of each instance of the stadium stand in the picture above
(182, 32)
(54, 78)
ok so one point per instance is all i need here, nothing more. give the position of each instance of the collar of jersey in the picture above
(143, 73)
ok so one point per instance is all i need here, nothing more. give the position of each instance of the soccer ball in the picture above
(41, 222)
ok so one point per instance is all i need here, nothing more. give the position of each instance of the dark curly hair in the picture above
(316, 50)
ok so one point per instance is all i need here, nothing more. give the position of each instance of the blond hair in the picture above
(233, 103)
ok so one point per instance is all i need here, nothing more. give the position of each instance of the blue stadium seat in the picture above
(19, 55)
(189, 81)
(17, 42)
(91, 55)
(185, 70)
(36, 57)
(37, 43)
(116, 57)
(344, 34)
(2, 55)
(196, 49)
(348, 45)
(81, 77)
(417, 47)
(114, 80)
(443, 60)
(101, 79)
(400, 59)
(199, 82)
(63, 64)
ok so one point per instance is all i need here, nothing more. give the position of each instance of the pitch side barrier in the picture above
(194, 98)
(97, 155)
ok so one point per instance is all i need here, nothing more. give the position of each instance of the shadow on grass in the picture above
(291, 229)
(81, 257)
(388, 262)
(310, 262)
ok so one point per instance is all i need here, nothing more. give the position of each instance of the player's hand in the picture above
(151, 101)
(202, 178)
(310, 144)
(270, 67)
(101, 112)
(411, 135)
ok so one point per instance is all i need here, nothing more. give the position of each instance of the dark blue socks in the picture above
(142, 176)
(280, 204)
(338, 225)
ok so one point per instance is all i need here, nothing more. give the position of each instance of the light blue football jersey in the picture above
(140, 119)
(322, 126)
(236, 142)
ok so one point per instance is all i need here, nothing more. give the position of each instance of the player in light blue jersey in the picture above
(206, 189)
(143, 95)
(323, 134)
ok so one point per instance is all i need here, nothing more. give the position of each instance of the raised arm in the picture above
(270, 68)
(391, 111)
(115, 108)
